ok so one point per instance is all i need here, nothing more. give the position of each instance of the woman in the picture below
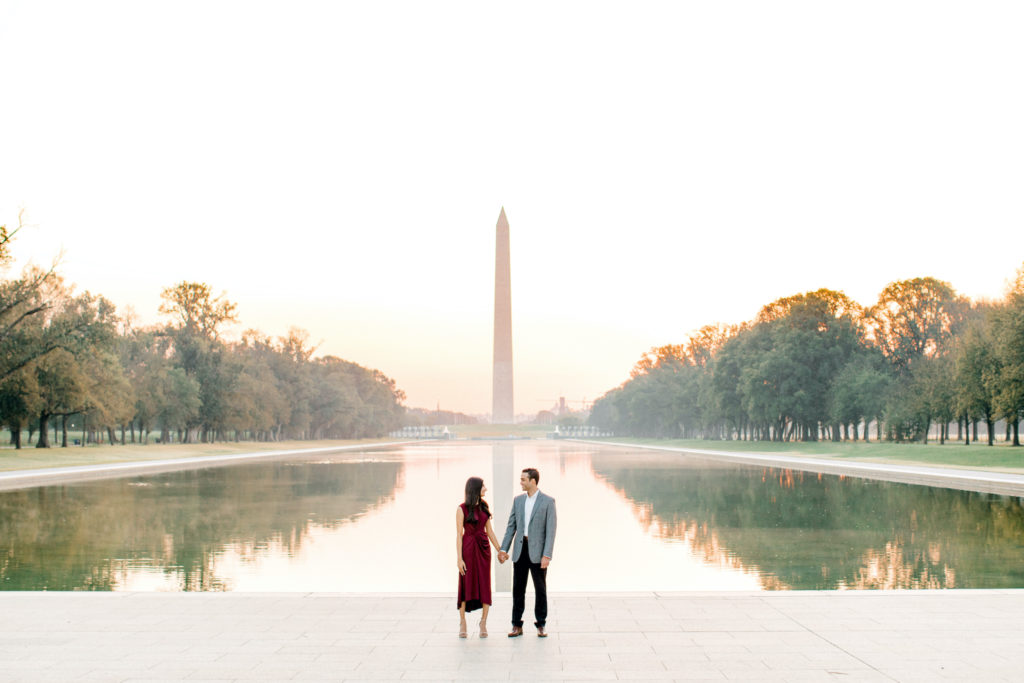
(473, 554)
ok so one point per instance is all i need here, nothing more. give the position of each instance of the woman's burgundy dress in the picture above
(475, 584)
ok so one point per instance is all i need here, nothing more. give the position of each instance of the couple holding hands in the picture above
(531, 536)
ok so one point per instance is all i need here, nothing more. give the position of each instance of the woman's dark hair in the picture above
(474, 502)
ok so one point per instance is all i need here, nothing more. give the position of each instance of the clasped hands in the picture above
(544, 561)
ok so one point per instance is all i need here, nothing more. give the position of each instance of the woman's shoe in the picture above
(483, 629)
(462, 630)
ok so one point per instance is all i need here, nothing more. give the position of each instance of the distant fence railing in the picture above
(578, 432)
(442, 432)
(431, 432)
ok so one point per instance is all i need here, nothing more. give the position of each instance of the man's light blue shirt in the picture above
(530, 500)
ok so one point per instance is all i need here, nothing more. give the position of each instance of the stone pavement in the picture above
(787, 636)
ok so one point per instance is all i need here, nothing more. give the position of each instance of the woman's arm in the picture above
(502, 555)
(490, 535)
(459, 521)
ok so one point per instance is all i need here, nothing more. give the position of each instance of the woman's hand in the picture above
(462, 568)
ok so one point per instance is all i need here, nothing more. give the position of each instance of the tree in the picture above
(720, 399)
(63, 387)
(914, 319)
(179, 402)
(111, 402)
(198, 317)
(819, 305)
(977, 374)
(19, 402)
(1008, 332)
(807, 339)
(50, 344)
(26, 309)
(143, 354)
(659, 357)
(924, 395)
(196, 309)
(860, 391)
(707, 341)
(255, 404)
(25, 300)
(936, 393)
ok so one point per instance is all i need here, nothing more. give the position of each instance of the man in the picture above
(531, 533)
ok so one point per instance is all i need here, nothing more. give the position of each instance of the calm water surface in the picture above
(383, 521)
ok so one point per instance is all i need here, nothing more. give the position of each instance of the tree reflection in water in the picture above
(809, 531)
(87, 536)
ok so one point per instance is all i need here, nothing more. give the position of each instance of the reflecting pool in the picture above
(383, 521)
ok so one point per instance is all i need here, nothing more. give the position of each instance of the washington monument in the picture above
(501, 397)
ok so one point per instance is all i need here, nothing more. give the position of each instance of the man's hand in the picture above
(502, 556)
(544, 562)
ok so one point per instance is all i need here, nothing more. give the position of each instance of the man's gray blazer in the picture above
(542, 527)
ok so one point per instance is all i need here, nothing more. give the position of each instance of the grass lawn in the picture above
(1001, 457)
(31, 458)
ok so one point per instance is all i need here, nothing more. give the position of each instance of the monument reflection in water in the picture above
(383, 521)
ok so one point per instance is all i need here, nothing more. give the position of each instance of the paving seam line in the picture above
(767, 603)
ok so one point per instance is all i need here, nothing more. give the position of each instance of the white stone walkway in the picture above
(793, 636)
(965, 479)
(20, 479)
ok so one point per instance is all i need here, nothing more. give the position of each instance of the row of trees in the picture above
(423, 417)
(69, 357)
(819, 365)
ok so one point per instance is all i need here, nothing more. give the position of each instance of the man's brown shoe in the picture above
(515, 632)
(541, 633)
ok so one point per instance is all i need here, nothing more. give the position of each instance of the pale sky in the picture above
(340, 167)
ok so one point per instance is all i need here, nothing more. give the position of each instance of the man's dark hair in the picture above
(532, 473)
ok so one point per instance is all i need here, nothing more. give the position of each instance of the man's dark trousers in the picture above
(523, 568)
